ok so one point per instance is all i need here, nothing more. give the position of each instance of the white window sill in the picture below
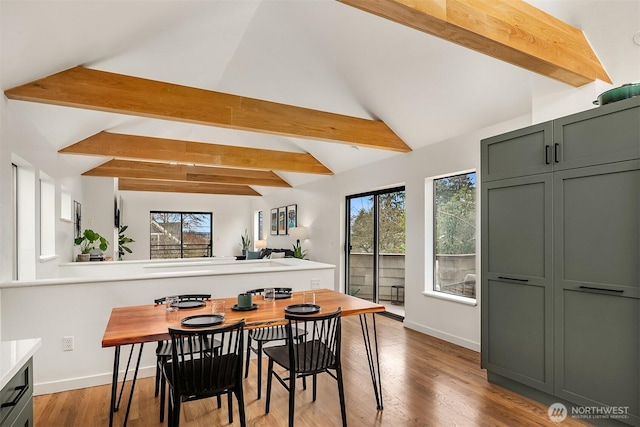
(452, 298)
(46, 258)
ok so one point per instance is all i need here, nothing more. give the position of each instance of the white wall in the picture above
(321, 208)
(20, 139)
(82, 310)
(231, 215)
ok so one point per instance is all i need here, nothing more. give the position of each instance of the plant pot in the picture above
(83, 257)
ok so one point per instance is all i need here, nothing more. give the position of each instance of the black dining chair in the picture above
(319, 353)
(163, 350)
(261, 336)
(198, 375)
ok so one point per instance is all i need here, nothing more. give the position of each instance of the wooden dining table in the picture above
(142, 324)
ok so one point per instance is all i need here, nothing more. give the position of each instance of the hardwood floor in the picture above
(426, 382)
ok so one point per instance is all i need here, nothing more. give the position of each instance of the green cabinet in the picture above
(597, 351)
(16, 408)
(521, 152)
(517, 313)
(561, 258)
(597, 286)
(602, 135)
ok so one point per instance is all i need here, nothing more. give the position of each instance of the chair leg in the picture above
(343, 407)
(163, 391)
(292, 397)
(176, 411)
(269, 377)
(259, 369)
(246, 369)
(230, 405)
(240, 396)
(157, 377)
(314, 387)
(170, 415)
(219, 401)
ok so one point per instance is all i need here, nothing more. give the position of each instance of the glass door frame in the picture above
(376, 232)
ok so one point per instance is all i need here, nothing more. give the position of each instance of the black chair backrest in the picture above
(321, 348)
(278, 290)
(186, 297)
(205, 372)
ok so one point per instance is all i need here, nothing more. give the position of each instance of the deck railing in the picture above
(450, 270)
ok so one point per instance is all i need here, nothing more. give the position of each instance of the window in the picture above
(454, 231)
(65, 205)
(180, 235)
(26, 217)
(258, 226)
(14, 228)
(47, 217)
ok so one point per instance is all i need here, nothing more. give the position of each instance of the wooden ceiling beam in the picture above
(509, 30)
(116, 93)
(130, 184)
(200, 153)
(118, 168)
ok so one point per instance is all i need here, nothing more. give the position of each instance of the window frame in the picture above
(182, 215)
(430, 241)
(47, 216)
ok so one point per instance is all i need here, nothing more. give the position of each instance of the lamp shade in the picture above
(299, 233)
(261, 244)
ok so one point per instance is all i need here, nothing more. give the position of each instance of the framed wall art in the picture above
(274, 222)
(292, 217)
(282, 220)
(77, 219)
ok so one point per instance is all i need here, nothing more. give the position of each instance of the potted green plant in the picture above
(245, 242)
(88, 241)
(298, 252)
(123, 241)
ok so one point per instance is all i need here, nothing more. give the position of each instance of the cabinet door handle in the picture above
(590, 288)
(14, 402)
(513, 278)
(547, 152)
(556, 156)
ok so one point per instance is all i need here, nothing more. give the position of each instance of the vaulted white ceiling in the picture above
(317, 54)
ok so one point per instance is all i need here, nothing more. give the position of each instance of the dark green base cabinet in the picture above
(597, 364)
(16, 408)
(561, 262)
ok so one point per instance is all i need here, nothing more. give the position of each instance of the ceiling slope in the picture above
(510, 30)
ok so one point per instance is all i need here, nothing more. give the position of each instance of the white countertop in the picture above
(117, 271)
(14, 355)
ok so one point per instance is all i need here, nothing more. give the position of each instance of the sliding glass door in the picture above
(375, 246)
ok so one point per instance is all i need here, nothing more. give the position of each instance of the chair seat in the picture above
(315, 353)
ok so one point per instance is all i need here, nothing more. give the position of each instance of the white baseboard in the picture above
(443, 336)
(89, 381)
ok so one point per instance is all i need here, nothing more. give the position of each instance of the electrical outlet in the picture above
(315, 283)
(67, 343)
